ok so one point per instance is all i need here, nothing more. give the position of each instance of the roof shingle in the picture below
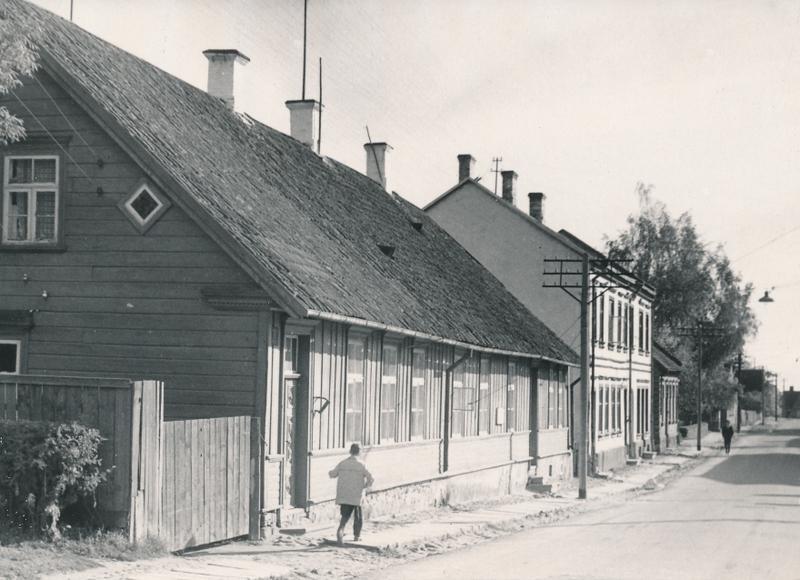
(312, 222)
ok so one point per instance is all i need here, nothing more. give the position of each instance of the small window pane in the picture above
(21, 170)
(354, 399)
(389, 394)
(46, 215)
(44, 171)
(418, 395)
(9, 355)
(18, 215)
(145, 204)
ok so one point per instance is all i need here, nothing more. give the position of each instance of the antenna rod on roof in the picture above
(70, 9)
(305, 30)
(319, 131)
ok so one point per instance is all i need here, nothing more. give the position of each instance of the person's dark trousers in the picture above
(355, 511)
(727, 447)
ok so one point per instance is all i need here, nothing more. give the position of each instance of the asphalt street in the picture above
(733, 517)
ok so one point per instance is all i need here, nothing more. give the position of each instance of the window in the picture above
(418, 394)
(511, 397)
(10, 357)
(610, 322)
(290, 355)
(641, 330)
(354, 397)
(484, 396)
(625, 331)
(602, 319)
(462, 402)
(388, 423)
(620, 338)
(144, 206)
(30, 199)
(647, 332)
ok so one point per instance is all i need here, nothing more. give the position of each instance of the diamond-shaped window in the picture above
(144, 206)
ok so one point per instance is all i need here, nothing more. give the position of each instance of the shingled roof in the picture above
(307, 227)
(668, 362)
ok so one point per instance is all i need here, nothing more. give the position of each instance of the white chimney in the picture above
(376, 162)
(221, 65)
(303, 120)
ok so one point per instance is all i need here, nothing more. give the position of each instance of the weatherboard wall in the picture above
(119, 302)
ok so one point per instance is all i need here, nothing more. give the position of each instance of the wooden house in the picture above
(513, 245)
(150, 231)
(666, 383)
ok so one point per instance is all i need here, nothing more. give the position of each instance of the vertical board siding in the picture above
(206, 481)
(120, 303)
(105, 404)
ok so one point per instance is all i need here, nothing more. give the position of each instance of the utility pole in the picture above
(700, 331)
(565, 273)
(496, 171)
(738, 399)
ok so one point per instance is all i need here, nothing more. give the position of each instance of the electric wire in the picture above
(46, 130)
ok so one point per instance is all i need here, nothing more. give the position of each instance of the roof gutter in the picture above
(430, 337)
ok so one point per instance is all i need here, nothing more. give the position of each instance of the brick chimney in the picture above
(466, 163)
(376, 162)
(536, 205)
(303, 120)
(509, 185)
(221, 66)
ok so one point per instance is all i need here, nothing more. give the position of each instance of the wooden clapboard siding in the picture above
(105, 404)
(120, 303)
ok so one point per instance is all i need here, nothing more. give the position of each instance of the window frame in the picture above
(383, 411)
(18, 342)
(32, 189)
(418, 382)
(126, 207)
(362, 339)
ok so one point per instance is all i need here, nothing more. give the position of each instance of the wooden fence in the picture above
(110, 405)
(209, 475)
(187, 483)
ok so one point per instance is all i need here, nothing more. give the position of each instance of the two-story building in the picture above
(513, 245)
(151, 231)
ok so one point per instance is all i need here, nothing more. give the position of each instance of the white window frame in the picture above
(32, 189)
(389, 380)
(144, 224)
(18, 365)
(418, 383)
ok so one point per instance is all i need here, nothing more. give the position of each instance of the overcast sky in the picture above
(582, 99)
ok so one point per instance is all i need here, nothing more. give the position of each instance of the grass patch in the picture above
(23, 556)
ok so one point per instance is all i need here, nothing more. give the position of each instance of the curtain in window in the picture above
(354, 397)
(388, 424)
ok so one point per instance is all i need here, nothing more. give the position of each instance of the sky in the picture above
(583, 99)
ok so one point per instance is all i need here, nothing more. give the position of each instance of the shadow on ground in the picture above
(757, 469)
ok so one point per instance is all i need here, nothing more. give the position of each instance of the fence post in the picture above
(256, 467)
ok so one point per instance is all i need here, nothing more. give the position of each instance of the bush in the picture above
(45, 468)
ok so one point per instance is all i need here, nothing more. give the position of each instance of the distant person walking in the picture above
(727, 437)
(352, 479)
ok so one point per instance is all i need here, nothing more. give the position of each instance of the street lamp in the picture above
(766, 297)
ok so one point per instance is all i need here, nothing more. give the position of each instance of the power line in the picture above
(764, 245)
(46, 130)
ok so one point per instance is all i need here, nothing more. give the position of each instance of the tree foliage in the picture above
(693, 283)
(17, 59)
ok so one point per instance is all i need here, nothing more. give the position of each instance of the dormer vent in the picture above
(387, 249)
(416, 224)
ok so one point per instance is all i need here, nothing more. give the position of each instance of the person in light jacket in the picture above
(352, 479)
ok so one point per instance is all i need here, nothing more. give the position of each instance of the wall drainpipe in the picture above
(448, 408)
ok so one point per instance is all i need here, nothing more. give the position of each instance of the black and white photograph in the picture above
(399, 289)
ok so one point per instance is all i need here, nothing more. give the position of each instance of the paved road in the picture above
(732, 517)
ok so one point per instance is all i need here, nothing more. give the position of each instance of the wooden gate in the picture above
(209, 473)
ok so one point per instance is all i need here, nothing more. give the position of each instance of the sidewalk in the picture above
(388, 539)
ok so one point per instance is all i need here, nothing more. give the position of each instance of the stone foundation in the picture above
(554, 468)
(485, 483)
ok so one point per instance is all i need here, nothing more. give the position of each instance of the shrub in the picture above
(44, 468)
